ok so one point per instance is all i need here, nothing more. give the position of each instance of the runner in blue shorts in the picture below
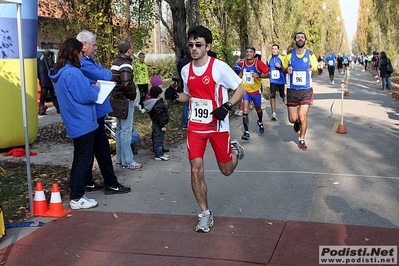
(252, 70)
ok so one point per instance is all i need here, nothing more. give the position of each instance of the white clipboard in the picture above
(105, 90)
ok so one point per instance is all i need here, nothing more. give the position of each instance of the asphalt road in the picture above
(348, 178)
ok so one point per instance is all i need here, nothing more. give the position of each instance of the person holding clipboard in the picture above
(94, 71)
(76, 98)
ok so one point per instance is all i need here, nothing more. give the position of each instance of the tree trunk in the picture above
(178, 32)
(193, 13)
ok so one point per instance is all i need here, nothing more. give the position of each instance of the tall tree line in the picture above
(110, 20)
(234, 23)
(238, 23)
(377, 28)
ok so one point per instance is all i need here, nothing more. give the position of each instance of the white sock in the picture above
(207, 212)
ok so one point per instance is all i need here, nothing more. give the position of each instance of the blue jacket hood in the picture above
(54, 73)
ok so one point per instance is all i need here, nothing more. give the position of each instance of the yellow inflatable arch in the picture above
(12, 132)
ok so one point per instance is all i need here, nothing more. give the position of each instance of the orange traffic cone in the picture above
(39, 202)
(56, 209)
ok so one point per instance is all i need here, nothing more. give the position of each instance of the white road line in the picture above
(310, 173)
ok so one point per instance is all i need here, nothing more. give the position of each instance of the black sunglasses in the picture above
(198, 45)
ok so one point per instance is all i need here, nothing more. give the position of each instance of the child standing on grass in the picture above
(160, 117)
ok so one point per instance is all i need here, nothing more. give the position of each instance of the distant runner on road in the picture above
(330, 61)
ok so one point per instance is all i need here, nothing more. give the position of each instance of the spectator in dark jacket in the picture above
(125, 89)
(180, 64)
(160, 117)
(382, 71)
(46, 85)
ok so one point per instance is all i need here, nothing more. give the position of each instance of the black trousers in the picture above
(102, 152)
(81, 164)
(143, 89)
(43, 96)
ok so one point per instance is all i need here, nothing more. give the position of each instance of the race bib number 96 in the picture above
(299, 77)
(201, 110)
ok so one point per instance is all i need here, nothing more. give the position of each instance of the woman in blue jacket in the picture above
(76, 99)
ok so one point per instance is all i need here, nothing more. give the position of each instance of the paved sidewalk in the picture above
(278, 207)
(100, 238)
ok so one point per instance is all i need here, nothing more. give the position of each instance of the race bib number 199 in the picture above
(201, 110)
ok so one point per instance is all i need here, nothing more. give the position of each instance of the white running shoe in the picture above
(86, 198)
(205, 223)
(83, 203)
(133, 165)
(235, 145)
(162, 158)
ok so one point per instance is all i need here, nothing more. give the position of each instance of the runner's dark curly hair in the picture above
(198, 32)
